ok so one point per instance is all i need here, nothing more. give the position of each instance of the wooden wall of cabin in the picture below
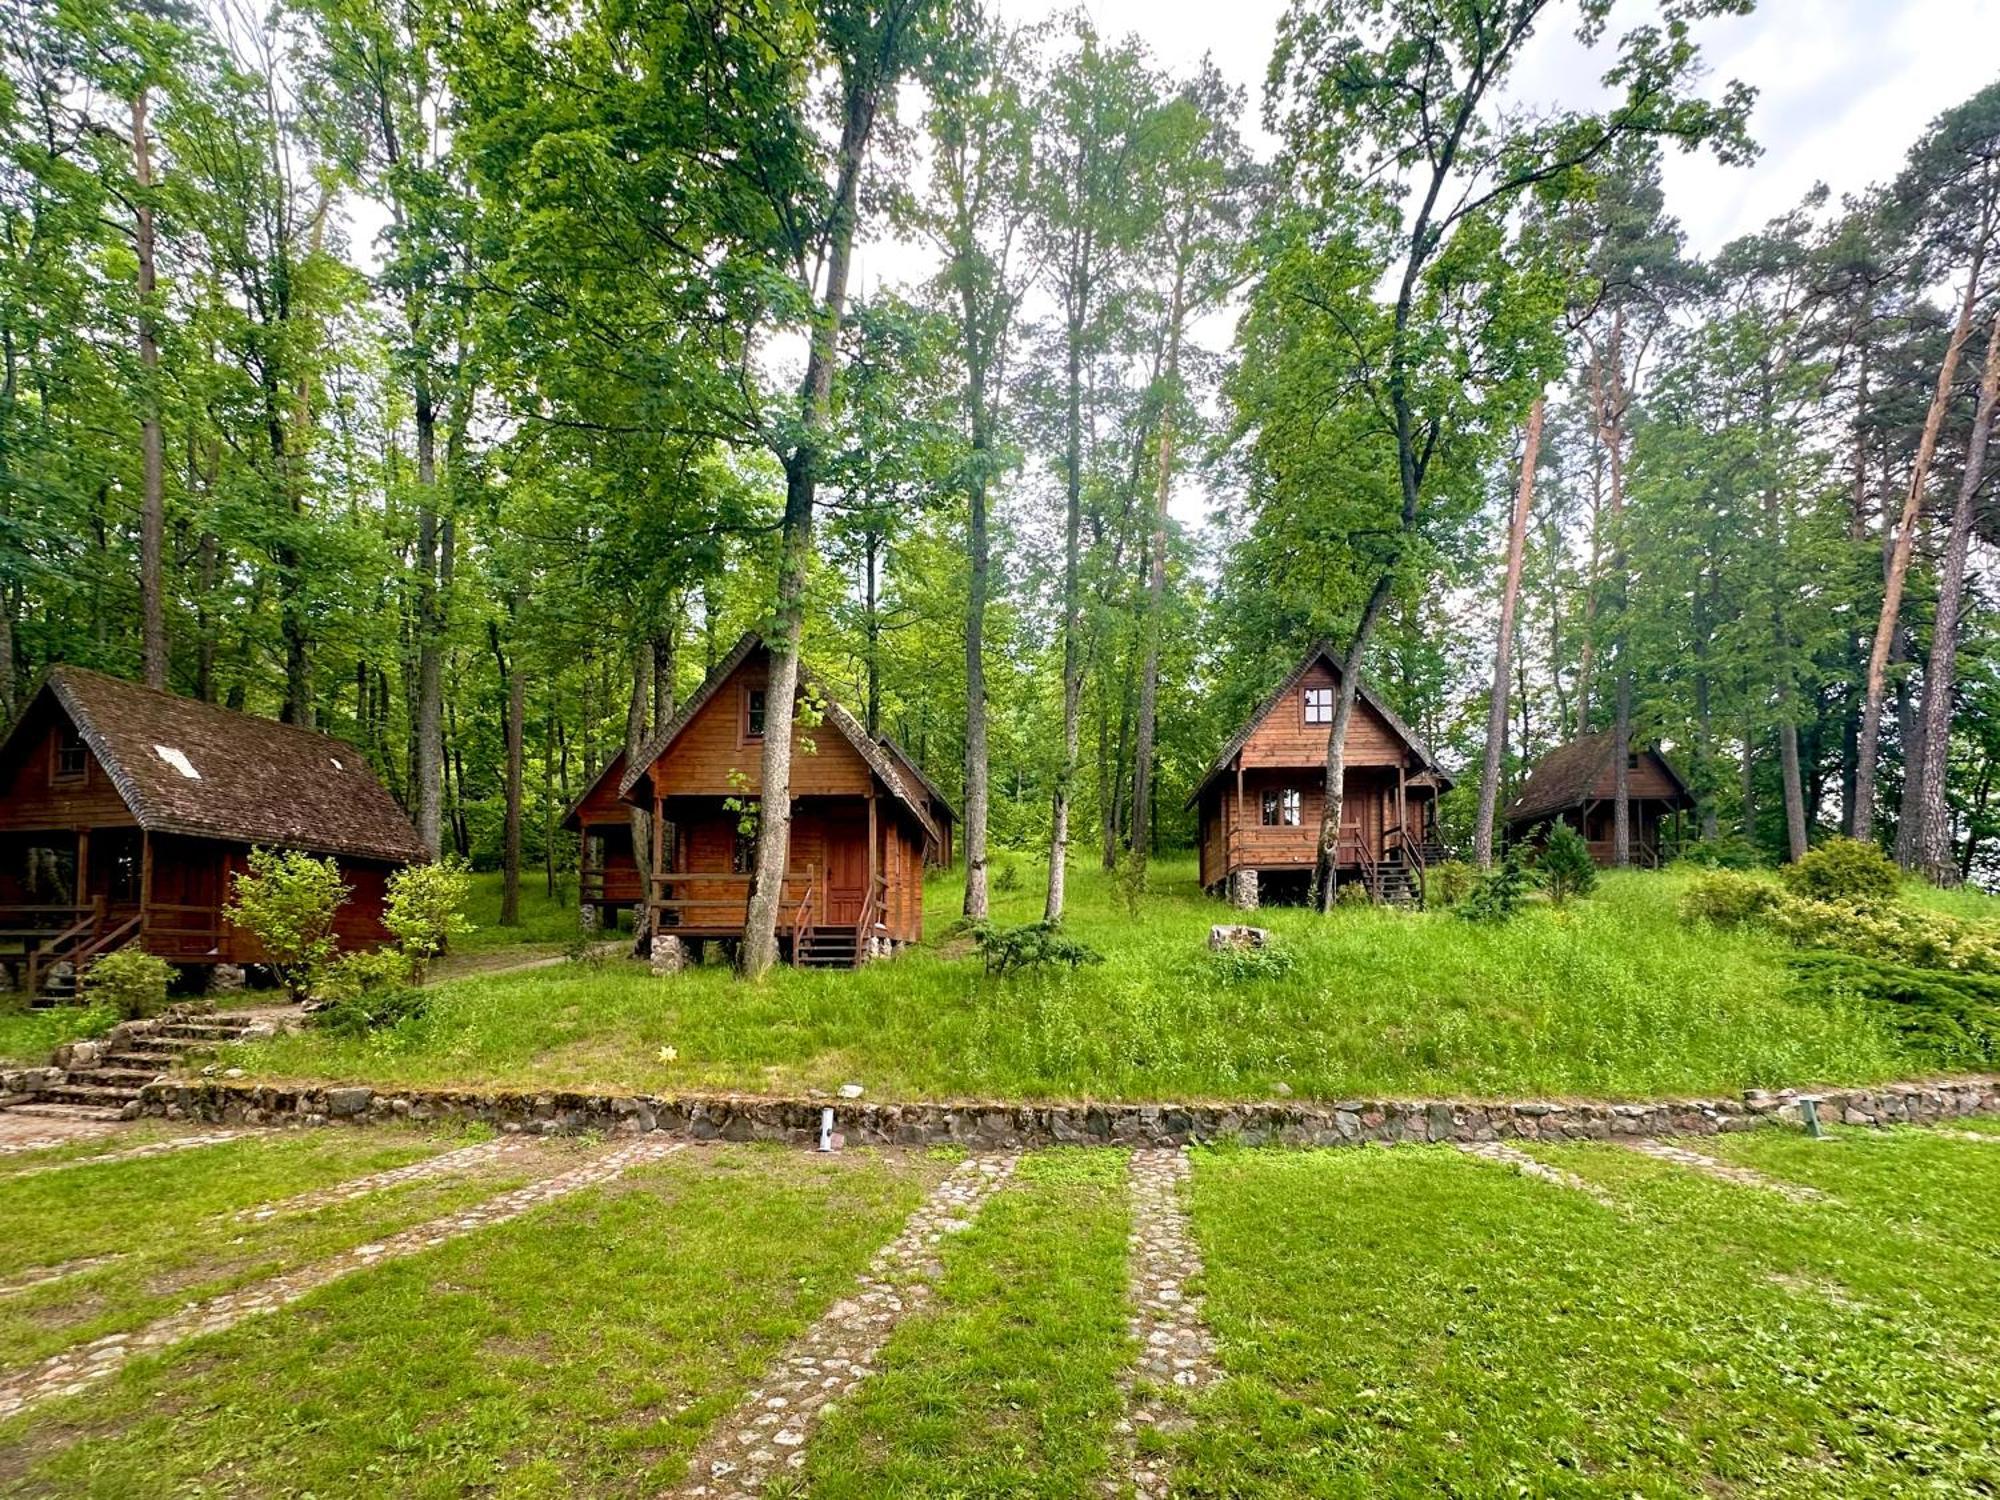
(717, 743)
(36, 794)
(1369, 805)
(1284, 738)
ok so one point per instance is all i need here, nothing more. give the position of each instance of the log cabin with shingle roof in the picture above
(1577, 783)
(126, 811)
(1261, 799)
(863, 823)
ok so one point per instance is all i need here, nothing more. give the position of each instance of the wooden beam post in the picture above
(82, 867)
(874, 853)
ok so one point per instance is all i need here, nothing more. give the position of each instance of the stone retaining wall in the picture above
(1289, 1123)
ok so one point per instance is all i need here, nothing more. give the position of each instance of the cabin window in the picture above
(1281, 807)
(1632, 761)
(72, 760)
(743, 856)
(753, 714)
(1319, 705)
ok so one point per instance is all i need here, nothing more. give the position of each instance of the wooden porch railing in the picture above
(691, 911)
(802, 916)
(1644, 855)
(871, 914)
(44, 949)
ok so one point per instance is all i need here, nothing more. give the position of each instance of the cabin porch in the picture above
(1262, 844)
(1656, 836)
(846, 892)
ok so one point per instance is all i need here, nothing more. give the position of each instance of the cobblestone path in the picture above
(76, 1370)
(766, 1435)
(1725, 1171)
(1176, 1355)
(444, 1165)
(1520, 1161)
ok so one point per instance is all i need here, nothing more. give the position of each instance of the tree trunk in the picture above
(429, 789)
(639, 819)
(1072, 676)
(1899, 561)
(513, 682)
(1503, 650)
(1749, 786)
(872, 629)
(759, 949)
(1934, 737)
(666, 667)
(153, 506)
(979, 560)
(1156, 583)
(1326, 863)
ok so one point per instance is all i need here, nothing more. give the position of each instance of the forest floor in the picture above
(332, 1311)
(1610, 997)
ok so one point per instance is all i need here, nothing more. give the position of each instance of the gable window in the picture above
(1632, 761)
(1281, 808)
(753, 714)
(1319, 705)
(72, 760)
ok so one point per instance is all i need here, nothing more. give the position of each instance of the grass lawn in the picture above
(1414, 1323)
(1008, 1386)
(1610, 997)
(582, 1349)
(164, 1226)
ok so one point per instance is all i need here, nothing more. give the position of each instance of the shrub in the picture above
(1448, 882)
(1844, 870)
(1953, 1020)
(426, 908)
(1895, 934)
(1036, 945)
(1728, 851)
(365, 992)
(129, 983)
(1354, 893)
(1008, 879)
(286, 900)
(1566, 866)
(1497, 895)
(1724, 898)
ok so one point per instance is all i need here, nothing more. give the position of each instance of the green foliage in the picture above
(1952, 1019)
(426, 908)
(1448, 882)
(1242, 964)
(1008, 881)
(1727, 899)
(1034, 945)
(1843, 869)
(1726, 851)
(128, 982)
(1354, 893)
(364, 992)
(1897, 934)
(1497, 896)
(1565, 865)
(287, 900)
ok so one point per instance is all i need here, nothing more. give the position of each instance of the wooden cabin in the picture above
(124, 813)
(1261, 800)
(860, 830)
(941, 812)
(1577, 784)
(608, 879)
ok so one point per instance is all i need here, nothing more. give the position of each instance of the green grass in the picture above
(1416, 1323)
(545, 919)
(168, 1220)
(27, 1037)
(1611, 997)
(583, 1349)
(1009, 1385)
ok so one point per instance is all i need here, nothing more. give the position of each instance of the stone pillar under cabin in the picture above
(586, 917)
(1243, 890)
(669, 955)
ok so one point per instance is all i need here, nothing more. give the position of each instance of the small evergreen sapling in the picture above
(1500, 891)
(1566, 866)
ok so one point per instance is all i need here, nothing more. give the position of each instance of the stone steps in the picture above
(110, 1085)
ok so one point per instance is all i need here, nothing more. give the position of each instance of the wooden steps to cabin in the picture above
(828, 948)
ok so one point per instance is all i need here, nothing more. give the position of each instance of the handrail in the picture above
(871, 915)
(73, 933)
(802, 917)
(117, 937)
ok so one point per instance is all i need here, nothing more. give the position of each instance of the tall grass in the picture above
(1610, 997)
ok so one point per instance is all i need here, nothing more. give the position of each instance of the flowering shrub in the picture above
(1892, 933)
(1723, 898)
(1844, 870)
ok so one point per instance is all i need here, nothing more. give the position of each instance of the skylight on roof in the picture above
(178, 760)
(336, 763)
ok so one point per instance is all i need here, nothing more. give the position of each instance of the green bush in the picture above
(1007, 879)
(1238, 965)
(1727, 851)
(426, 908)
(1354, 893)
(129, 983)
(1037, 945)
(287, 900)
(1844, 870)
(1566, 866)
(1953, 1020)
(364, 992)
(1448, 882)
(1497, 895)
(1724, 898)
(1895, 934)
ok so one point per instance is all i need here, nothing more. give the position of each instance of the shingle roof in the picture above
(1321, 651)
(188, 767)
(908, 763)
(613, 772)
(878, 759)
(1564, 778)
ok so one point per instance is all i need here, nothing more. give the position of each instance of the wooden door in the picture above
(846, 864)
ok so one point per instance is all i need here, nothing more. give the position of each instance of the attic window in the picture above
(753, 714)
(1319, 705)
(72, 760)
(1632, 761)
(178, 760)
